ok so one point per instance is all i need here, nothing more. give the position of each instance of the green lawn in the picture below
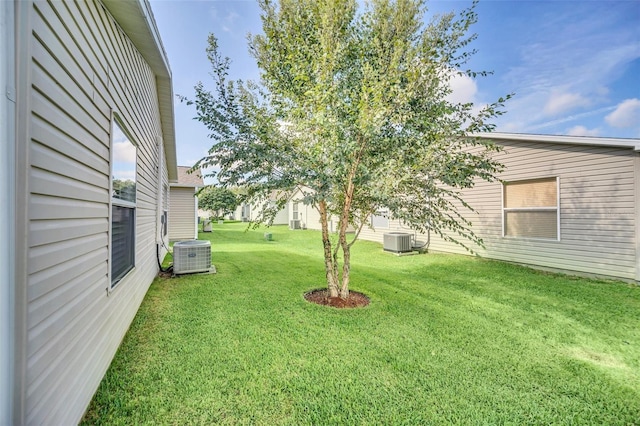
(446, 339)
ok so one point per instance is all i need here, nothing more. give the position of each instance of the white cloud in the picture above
(569, 63)
(124, 152)
(229, 21)
(464, 89)
(125, 174)
(626, 114)
(226, 19)
(582, 131)
(563, 102)
(573, 117)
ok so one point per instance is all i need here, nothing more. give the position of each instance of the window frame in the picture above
(165, 210)
(116, 120)
(295, 211)
(380, 214)
(530, 209)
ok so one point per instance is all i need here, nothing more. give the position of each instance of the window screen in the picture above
(380, 219)
(122, 242)
(530, 208)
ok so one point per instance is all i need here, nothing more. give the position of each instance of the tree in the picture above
(355, 108)
(216, 199)
(125, 189)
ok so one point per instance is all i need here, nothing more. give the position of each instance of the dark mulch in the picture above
(321, 297)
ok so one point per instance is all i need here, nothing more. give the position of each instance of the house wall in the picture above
(597, 210)
(183, 211)
(76, 68)
(308, 216)
(282, 217)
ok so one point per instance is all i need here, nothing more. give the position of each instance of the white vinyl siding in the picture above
(183, 220)
(308, 215)
(597, 209)
(80, 67)
(282, 217)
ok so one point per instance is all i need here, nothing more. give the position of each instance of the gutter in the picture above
(558, 139)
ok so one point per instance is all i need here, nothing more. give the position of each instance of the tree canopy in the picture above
(355, 107)
(217, 199)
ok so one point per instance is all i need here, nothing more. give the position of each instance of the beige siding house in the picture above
(565, 203)
(183, 205)
(250, 211)
(303, 215)
(88, 116)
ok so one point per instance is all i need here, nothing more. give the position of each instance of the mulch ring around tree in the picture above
(320, 296)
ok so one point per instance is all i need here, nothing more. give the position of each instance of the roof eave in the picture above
(569, 140)
(136, 20)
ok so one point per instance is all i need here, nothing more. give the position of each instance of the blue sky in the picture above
(574, 66)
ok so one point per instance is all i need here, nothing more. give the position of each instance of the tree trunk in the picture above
(330, 265)
(342, 233)
(346, 266)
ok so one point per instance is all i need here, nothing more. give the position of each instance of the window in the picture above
(295, 211)
(530, 209)
(165, 210)
(123, 203)
(380, 219)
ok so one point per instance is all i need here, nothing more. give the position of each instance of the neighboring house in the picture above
(249, 211)
(87, 155)
(242, 212)
(303, 215)
(565, 203)
(183, 205)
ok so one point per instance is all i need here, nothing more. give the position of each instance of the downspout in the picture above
(196, 212)
(7, 212)
(159, 192)
(159, 212)
(161, 247)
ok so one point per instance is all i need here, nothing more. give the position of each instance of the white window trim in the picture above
(111, 287)
(384, 213)
(10, 337)
(529, 209)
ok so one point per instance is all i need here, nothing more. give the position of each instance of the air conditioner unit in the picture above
(191, 256)
(245, 219)
(397, 242)
(294, 224)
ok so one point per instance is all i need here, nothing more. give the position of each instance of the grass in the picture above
(446, 339)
